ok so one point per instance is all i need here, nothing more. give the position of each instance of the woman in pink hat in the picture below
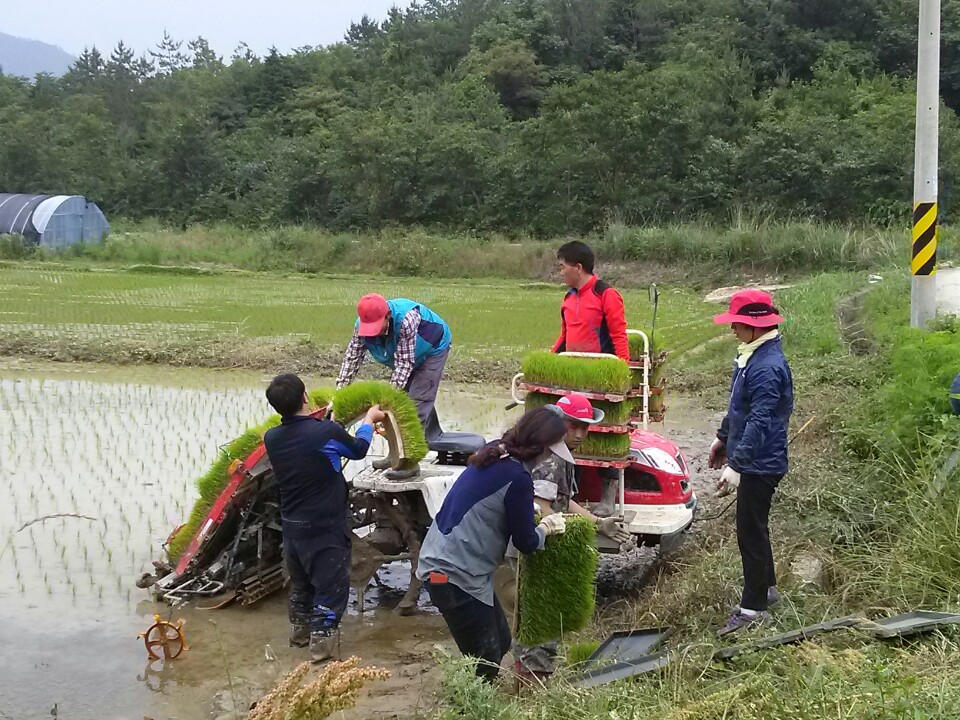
(751, 445)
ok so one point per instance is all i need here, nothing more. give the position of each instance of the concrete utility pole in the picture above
(923, 266)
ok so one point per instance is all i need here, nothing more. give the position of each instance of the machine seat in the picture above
(456, 443)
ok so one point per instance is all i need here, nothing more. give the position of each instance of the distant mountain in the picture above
(19, 56)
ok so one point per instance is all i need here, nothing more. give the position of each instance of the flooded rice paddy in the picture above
(99, 466)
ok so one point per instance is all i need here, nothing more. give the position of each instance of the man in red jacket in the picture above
(592, 318)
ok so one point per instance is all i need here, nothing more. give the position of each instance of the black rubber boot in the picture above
(299, 635)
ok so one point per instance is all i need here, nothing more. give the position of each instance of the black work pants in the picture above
(319, 570)
(754, 497)
(480, 630)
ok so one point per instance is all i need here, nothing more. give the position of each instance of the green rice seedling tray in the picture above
(605, 445)
(351, 402)
(559, 391)
(617, 464)
(557, 587)
(616, 414)
(600, 375)
(616, 429)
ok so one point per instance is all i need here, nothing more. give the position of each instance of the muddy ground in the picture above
(415, 681)
(73, 613)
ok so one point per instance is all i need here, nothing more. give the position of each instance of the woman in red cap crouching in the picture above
(752, 443)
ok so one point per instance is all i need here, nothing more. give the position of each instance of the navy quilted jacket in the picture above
(761, 401)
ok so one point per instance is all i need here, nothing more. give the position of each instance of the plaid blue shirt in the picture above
(402, 360)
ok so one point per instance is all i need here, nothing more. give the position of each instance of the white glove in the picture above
(613, 530)
(553, 525)
(718, 454)
(729, 482)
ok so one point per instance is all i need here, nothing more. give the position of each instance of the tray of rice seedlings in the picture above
(615, 414)
(635, 343)
(557, 584)
(350, 404)
(603, 378)
(604, 446)
(212, 482)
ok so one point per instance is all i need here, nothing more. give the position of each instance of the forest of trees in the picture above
(524, 116)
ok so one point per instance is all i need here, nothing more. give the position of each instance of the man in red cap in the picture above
(554, 484)
(407, 337)
(752, 445)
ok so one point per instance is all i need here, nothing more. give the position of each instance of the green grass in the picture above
(79, 308)
(557, 584)
(696, 251)
(574, 373)
(350, 403)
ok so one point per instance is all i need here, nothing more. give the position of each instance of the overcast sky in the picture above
(286, 24)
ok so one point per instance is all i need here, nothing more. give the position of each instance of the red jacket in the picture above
(592, 319)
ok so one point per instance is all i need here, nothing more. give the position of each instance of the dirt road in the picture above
(948, 290)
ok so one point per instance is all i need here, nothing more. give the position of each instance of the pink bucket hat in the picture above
(750, 307)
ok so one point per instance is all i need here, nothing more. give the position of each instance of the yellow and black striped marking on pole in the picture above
(924, 238)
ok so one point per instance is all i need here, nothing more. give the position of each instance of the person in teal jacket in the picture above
(407, 337)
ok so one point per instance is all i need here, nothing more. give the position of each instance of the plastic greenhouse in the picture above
(52, 221)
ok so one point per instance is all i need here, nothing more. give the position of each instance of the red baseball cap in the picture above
(371, 310)
(750, 307)
(577, 407)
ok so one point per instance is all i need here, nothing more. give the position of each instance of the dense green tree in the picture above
(543, 116)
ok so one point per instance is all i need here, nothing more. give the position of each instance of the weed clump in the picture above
(556, 592)
(336, 688)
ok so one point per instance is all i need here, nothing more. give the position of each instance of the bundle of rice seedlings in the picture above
(212, 482)
(590, 374)
(580, 652)
(321, 397)
(557, 584)
(635, 343)
(614, 413)
(605, 445)
(351, 402)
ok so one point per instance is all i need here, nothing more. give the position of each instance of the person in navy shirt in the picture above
(752, 445)
(307, 457)
(490, 505)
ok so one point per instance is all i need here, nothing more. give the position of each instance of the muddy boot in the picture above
(608, 497)
(323, 646)
(299, 635)
(404, 472)
(382, 464)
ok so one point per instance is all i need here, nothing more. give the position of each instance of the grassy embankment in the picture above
(871, 496)
(225, 297)
(698, 254)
